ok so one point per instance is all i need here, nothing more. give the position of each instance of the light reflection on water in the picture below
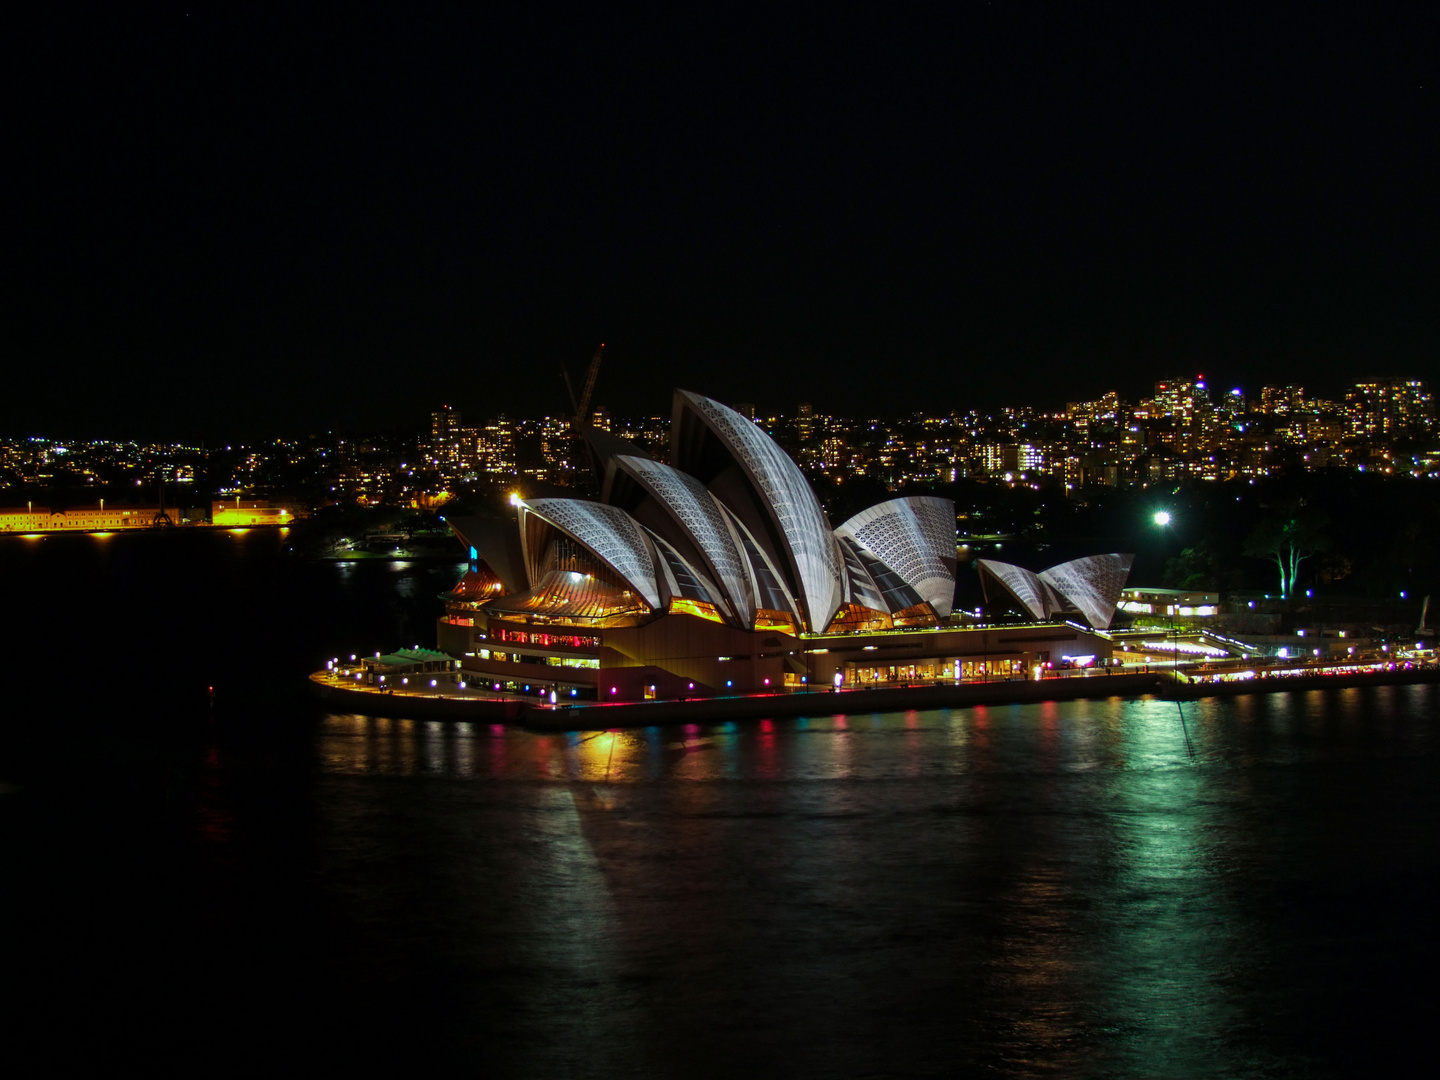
(1039, 890)
(1046, 889)
(1055, 737)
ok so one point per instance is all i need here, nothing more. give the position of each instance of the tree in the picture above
(1289, 536)
(1209, 566)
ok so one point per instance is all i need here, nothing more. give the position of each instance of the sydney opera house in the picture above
(719, 573)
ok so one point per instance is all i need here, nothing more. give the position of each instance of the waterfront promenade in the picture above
(448, 702)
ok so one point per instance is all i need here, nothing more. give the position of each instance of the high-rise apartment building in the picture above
(497, 446)
(1279, 400)
(1185, 402)
(1389, 406)
(444, 436)
(805, 422)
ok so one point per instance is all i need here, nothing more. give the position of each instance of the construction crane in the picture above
(580, 422)
(585, 394)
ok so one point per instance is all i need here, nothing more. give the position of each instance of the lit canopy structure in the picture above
(730, 531)
(1090, 586)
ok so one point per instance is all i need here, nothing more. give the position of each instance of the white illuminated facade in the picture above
(1091, 586)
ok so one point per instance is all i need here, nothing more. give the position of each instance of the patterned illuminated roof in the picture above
(1090, 586)
(766, 583)
(1093, 584)
(683, 580)
(790, 501)
(896, 594)
(915, 537)
(607, 531)
(860, 586)
(1035, 596)
(700, 515)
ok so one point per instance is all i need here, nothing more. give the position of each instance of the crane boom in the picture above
(569, 386)
(584, 402)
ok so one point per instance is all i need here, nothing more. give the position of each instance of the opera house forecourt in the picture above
(719, 575)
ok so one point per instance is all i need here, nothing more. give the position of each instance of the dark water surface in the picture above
(1047, 890)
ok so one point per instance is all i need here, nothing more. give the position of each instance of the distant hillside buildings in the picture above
(1187, 429)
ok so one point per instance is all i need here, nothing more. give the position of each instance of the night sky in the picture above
(223, 223)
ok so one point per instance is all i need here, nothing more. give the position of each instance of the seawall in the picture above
(540, 717)
(485, 710)
(1193, 691)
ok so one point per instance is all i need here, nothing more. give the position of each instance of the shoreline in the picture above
(158, 530)
(591, 716)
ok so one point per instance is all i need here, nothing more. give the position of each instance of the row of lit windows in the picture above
(544, 640)
(553, 661)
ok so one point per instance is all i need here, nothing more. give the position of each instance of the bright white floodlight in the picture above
(1162, 518)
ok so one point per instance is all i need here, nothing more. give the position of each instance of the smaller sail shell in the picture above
(915, 537)
(611, 534)
(1093, 584)
(1034, 595)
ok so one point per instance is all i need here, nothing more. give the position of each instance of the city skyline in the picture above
(242, 221)
(1187, 429)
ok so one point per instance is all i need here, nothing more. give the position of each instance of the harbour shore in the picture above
(488, 707)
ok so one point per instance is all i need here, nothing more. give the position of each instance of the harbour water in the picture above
(1239, 887)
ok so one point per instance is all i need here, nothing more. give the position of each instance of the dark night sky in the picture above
(224, 223)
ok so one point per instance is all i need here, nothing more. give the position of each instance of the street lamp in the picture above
(1162, 521)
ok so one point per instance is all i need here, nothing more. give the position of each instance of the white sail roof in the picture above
(1090, 586)
(1037, 597)
(698, 512)
(767, 584)
(1093, 584)
(681, 578)
(607, 531)
(790, 502)
(915, 537)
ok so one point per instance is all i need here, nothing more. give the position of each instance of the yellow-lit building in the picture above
(246, 513)
(33, 519)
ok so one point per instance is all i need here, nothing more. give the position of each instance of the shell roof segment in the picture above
(699, 513)
(766, 583)
(681, 579)
(1037, 597)
(789, 501)
(607, 531)
(1090, 585)
(1093, 584)
(915, 537)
